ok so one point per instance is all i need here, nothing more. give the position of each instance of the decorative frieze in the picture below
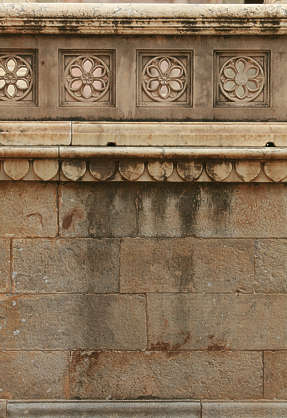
(17, 78)
(86, 78)
(164, 78)
(147, 164)
(241, 78)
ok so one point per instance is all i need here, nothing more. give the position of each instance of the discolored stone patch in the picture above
(171, 375)
(66, 322)
(66, 265)
(98, 210)
(216, 322)
(34, 374)
(186, 264)
(28, 211)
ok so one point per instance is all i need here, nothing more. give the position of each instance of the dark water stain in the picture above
(189, 201)
(219, 198)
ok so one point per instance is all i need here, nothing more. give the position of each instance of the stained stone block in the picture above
(275, 374)
(107, 409)
(213, 210)
(186, 264)
(271, 266)
(98, 210)
(216, 322)
(66, 265)
(33, 375)
(73, 321)
(28, 211)
(166, 375)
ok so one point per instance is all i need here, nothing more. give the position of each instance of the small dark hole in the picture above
(270, 144)
(111, 144)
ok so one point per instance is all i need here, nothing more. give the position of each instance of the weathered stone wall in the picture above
(134, 291)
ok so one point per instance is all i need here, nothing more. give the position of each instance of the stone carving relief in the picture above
(17, 78)
(87, 79)
(164, 79)
(241, 79)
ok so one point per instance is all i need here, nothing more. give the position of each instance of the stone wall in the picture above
(142, 291)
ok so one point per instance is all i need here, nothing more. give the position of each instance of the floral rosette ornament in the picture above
(241, 79)
(164, 79)
(15, 78)
(87, 78)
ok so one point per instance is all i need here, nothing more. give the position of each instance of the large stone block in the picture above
(186, 264)
(33, 375)
(98, 210)
(244, 410)
(213, 210)
(28, 210)
(4, 266)
(270, 266)
(72, 322)
(275, 375)
(66, 265)
(105, 409)
(217, 322)
(170, 375)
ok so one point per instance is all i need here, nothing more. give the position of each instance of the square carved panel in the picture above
(164, 78)
(18, 77)
(241, 78)
(87, 78)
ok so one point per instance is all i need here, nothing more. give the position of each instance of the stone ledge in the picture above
(109, 409)
(141, 409)
(163, 164)
(143, 19)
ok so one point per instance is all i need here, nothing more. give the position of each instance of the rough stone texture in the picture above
(4, 266)
(244, 410)
(171, 375)
(217, 322)
(72, 322)
(275, 375)
(97, 210)
(108, 409)
(271, 266)
(178, 265)
(38, 375)
(28, 211)
(217, 210)
(66, 265)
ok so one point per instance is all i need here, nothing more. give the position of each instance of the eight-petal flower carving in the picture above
(164, 78)
(15, 78)
(241, 79)
(87, 78)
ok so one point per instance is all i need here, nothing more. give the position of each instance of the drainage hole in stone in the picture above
(270, 144)
(111, 144)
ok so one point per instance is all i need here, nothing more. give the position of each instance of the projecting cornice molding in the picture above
(143, 19)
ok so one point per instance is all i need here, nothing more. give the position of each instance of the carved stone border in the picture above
(156, 164)
(143, 19)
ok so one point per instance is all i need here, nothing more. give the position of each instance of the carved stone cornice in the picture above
(161, 164)
(143, 19)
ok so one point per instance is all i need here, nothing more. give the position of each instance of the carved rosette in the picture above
(16, 78)
(241, 79)
(87, 78)
(164, 79)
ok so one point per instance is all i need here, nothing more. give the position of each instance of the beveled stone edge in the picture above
(189, 408)
(101, 408)
(145, 134)
(143, 164)
(143, 19)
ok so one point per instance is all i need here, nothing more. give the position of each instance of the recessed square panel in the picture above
(18, 78)
(241, 78)
(87, 78)
(164, 78)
